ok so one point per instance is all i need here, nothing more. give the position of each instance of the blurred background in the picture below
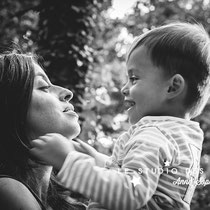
(82, 46)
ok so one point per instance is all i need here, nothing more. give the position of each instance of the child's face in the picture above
(146, 88)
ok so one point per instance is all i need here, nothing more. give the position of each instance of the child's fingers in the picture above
(34, 151)
(36, 156)
(78, 147)
(41, 140)
(89, 149)
(46, 137)
(84, 145)
(76, 144)
(52, 135)
(37, 143)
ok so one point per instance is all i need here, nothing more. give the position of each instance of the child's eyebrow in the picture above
(130, 72)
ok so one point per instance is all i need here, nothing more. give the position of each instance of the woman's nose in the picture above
(66, 95)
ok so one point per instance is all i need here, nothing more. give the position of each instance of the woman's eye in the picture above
(45, 88)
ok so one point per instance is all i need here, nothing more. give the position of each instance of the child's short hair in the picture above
(181, 48)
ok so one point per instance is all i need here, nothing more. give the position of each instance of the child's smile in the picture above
(128, 104)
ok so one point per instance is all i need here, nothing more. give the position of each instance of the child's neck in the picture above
(185, 116)
(176, 110)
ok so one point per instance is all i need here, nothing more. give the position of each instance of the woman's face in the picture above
(49, 110)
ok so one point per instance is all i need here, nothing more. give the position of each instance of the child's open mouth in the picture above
(128, 104)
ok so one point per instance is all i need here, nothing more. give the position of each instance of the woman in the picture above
(30, 106)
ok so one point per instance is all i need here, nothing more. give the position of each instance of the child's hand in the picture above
(81, 146)
(51, 149)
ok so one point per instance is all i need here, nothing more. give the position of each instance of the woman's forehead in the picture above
(39, 72)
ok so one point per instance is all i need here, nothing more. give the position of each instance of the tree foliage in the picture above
(61, 31)
(66, 33)
(18, 23)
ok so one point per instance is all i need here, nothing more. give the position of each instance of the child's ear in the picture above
(176, 86)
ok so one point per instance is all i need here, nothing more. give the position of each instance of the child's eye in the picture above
(133, 79)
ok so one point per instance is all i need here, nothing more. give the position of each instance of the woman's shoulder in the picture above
(15, 195)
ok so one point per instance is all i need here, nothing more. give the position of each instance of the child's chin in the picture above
(133, 120)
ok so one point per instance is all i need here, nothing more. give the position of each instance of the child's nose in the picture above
(125, 90)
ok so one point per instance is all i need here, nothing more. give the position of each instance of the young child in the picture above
(155, 164)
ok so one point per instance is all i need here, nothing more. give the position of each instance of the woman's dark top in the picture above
(29, 188)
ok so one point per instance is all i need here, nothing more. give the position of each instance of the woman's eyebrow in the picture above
(43, 77)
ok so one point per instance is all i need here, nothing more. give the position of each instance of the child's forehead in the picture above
(134, 45)
(140, 63)
(139, 56)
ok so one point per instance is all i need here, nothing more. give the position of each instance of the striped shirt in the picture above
(155, 165)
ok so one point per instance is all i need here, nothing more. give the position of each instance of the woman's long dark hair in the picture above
(16, 85)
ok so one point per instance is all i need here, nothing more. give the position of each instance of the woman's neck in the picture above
(42, 173)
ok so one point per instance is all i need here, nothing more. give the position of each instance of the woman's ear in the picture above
(176, 86)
